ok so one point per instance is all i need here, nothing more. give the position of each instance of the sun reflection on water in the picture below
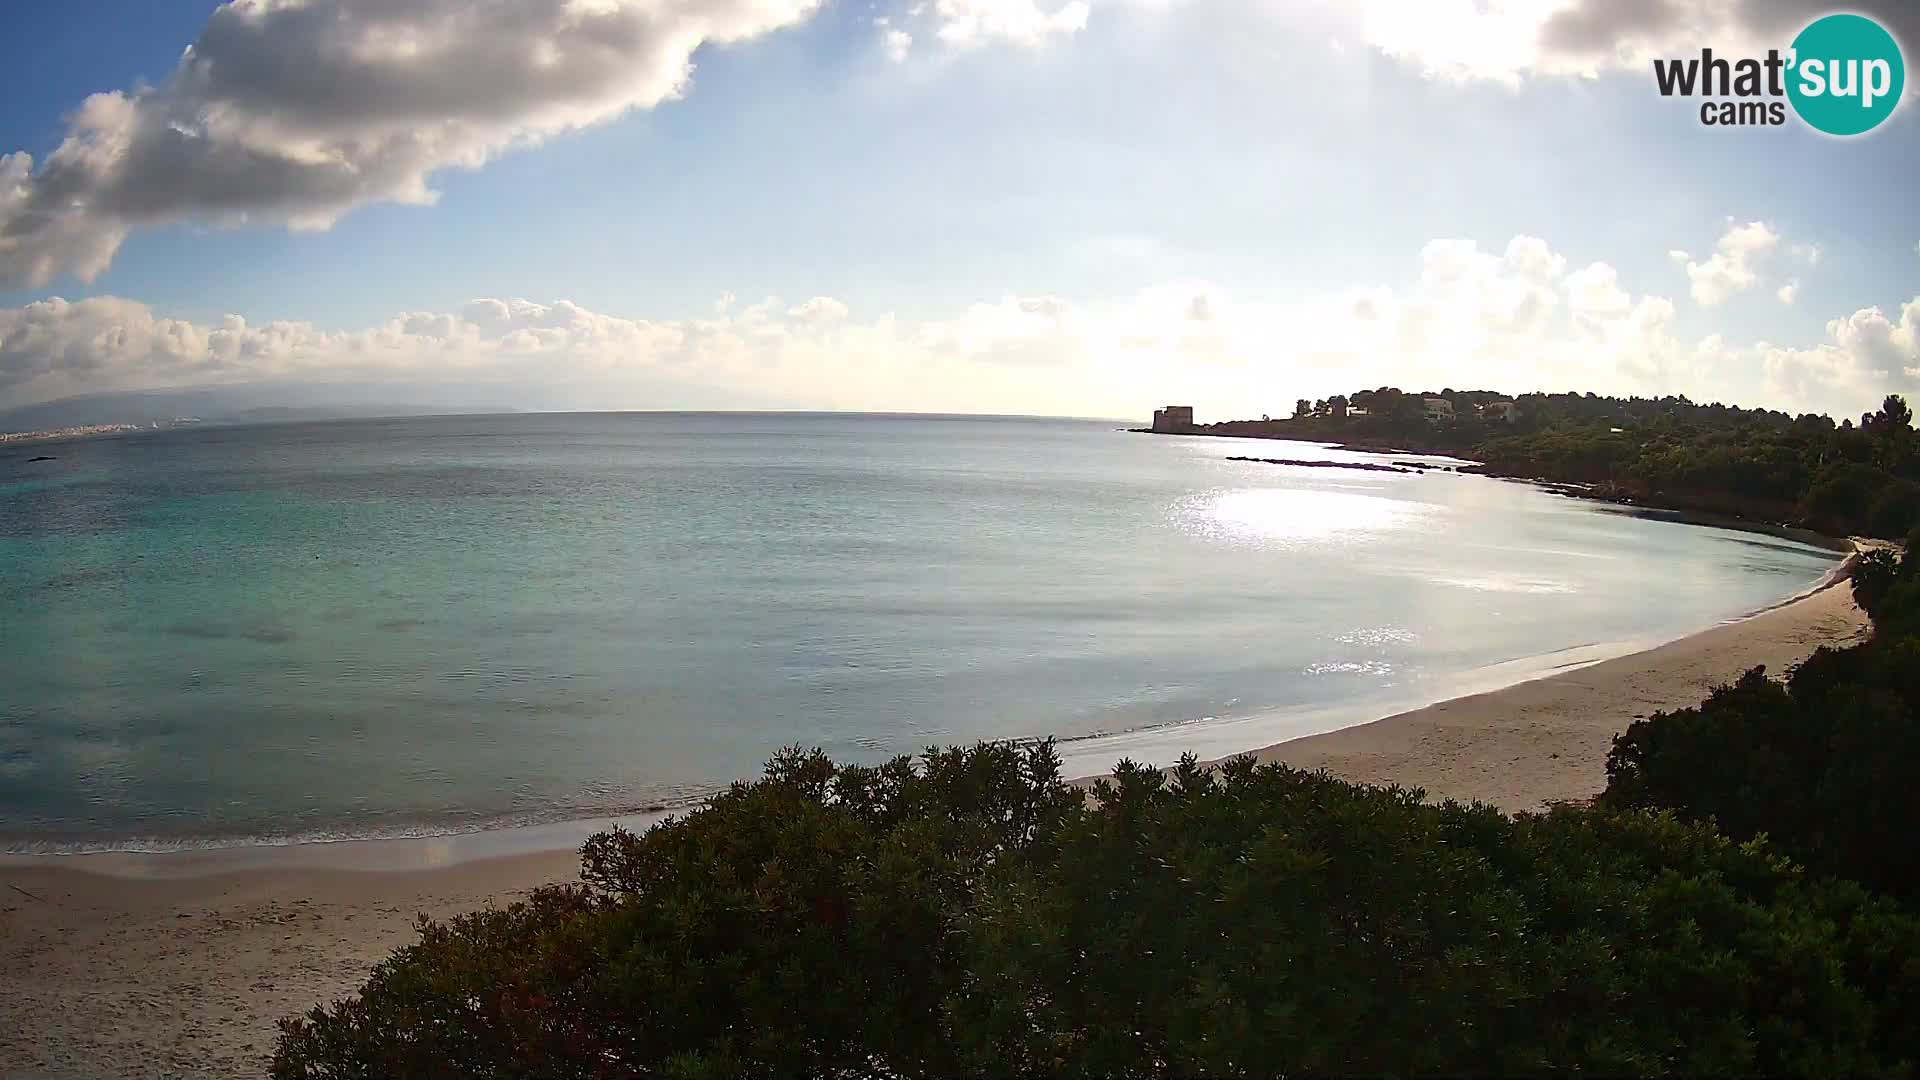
(1292, 516)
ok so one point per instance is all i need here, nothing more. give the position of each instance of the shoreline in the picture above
(1534, 744)
(420, 848)
(143, 859)
(1674, 510)
(131, 964)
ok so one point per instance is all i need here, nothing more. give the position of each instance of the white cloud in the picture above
(293, 112)
(820, 309)
(1789, 292)
(1595, 292)
(1508, 40)
(898, 45)
(1865, 356)
(55, 348)
(1458, 39)
(1729, 270)
(1030, 23)
(1513, 318)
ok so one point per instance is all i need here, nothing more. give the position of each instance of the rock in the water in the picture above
(1366, 465)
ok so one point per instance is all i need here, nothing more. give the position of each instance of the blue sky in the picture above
(1174, 200)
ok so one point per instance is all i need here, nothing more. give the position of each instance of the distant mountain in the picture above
(224, 405)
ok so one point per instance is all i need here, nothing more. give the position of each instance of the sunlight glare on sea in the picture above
(1298, 516)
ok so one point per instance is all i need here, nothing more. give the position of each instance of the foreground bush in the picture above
(974, 916)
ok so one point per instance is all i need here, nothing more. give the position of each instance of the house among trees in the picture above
(1503, 411)
(1438, 408)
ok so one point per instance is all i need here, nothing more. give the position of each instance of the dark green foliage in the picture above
(1887, 587)
(1741, 758)
(974, 916)
(1845, 493)
(1895, 510)
(1821, 765)
(1875, 573)
(1669, 452)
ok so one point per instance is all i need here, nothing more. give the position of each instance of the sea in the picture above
(315, 631)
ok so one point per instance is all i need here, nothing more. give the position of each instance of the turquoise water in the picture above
(390, 627)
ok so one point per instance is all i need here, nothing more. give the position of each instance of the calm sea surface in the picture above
(401, 626)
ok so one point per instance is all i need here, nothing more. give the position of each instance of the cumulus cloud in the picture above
(56, 348)
(1865, 355)
(1031, 23)
(820, 309)
(1594, 293)
(1507, 40)
(1517, 316)
(1789, 292)
(1018, 330)
(1518, 319)
(1730, 269)
(294, 112)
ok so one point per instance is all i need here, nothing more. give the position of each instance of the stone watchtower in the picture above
(1173, 418)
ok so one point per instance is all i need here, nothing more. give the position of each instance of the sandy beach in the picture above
(103, 974)
(1546, 741)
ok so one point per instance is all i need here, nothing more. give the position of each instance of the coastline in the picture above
(1545, 741)
(1746, 515)
(127, 964)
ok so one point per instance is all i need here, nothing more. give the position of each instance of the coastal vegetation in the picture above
(1817, 764)
(1739, 901)
(1743, 898)
(1842, 478)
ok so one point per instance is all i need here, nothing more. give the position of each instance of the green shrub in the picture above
(1822, 767)
(1874, 575)
(1887, 587)
(974, 916)
(1821, 764)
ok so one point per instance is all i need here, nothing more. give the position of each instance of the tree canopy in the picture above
(1758, 463)
(972, 915)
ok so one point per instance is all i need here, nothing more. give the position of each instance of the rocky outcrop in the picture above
(1367, 466)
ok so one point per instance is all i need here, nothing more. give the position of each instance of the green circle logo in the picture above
(1846, 74)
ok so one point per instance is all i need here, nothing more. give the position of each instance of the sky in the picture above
(1060, 207)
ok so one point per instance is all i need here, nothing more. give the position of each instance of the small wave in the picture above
(1108, 733)
(165, 845)
(1538, 586)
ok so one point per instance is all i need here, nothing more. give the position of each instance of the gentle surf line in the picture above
(1084, 756)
